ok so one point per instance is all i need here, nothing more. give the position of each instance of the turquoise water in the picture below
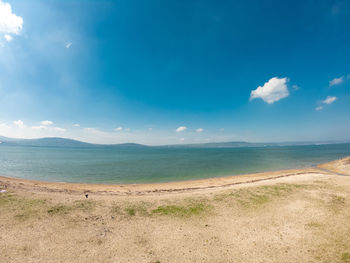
(148, 165)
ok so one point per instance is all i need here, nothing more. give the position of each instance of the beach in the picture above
(298, 215)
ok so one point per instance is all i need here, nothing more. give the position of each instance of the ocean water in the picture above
(156, 164)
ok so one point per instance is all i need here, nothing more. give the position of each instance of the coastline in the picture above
(296, 215)
(341, 166)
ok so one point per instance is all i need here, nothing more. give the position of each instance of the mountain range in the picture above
(65, 142)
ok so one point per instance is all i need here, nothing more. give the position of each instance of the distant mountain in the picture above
(50, 142)
(237, 144)
(63, 142)
(60, 142)
(215, 145)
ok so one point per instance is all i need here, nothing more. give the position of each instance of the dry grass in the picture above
(258, 197)
(181, 210)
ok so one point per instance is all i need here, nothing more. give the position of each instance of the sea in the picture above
(156, 164)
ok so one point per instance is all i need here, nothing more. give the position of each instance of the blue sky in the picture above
(159, 72)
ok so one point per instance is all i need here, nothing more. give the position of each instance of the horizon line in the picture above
(183, 144)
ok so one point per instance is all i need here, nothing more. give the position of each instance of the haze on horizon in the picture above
(168, 72)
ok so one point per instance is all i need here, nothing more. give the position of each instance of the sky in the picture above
(168, 72)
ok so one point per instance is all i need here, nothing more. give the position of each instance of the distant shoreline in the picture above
(335, 167)
(74, 143)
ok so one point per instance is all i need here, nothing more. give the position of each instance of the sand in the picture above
(286, 216)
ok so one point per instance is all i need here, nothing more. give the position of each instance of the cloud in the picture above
(69, 45)
(10, 23)
(272, 91)
(76, 125)
(59, 129)
(336, 81)
(181, 129)
(19, 124)
(118, 129)
(90, 129)
(329, 100)
(8, 38)
(41, 127)
(295, 87)
(95, 131)
(200, 130)
(46, 123)
(127, 129)
(4, 126)
(182, 139)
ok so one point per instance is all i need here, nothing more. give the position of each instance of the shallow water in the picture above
(156, 164)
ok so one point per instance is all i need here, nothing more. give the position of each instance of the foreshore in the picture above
(142, 189)
(168, 187)
(296, 215)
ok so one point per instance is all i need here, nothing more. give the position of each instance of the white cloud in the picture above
(295, 87)
(41, 127)
(95, 132)
(19, 123)
(8, 38)
(59, 129)
(336, 81)
(4, 126)
(76, 125)
(69, 45)
(127, 129)
(46, 123)
(329, 100)
(181, 129)
(150, 129)
(10, 23)
(118, 129)
(272, 91)
(200, 130)
(90, 129)
(182, 139)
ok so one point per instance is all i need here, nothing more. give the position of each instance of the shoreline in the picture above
(298, 215)
(340, 166)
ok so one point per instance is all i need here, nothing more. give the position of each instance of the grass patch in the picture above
(130, 211)
(144, 209)
(256, 197)
(345, 257)
(85, 206)
(82, 205)
(313, 225)
(337, 200)
(5, 198)
(140, 209)
(180, 211)
(335, 203)
(59, 209)
(282, 189)
(116, 209)
(22, 208)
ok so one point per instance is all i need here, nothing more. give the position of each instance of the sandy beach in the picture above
(297, 215)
